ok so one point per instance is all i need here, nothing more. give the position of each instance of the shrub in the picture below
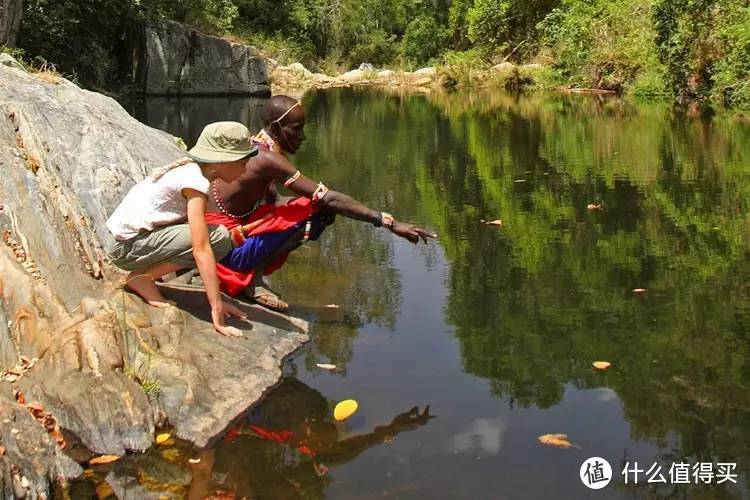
(731, 77)
(488, 26)
(423, 40)
(598, 44)
(461, 69)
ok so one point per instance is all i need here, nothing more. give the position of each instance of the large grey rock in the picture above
(182, 61)
(32, 459)
(110, 369)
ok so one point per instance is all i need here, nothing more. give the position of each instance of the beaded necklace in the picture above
(223, 209)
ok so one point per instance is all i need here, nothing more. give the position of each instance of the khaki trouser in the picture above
(165, 244)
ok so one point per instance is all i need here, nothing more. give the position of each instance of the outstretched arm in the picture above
(282, 170)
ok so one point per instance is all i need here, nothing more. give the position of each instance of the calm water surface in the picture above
(495, 328)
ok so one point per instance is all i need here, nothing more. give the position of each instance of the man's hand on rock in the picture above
(410, 232)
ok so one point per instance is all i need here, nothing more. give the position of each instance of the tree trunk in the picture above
(10, 21)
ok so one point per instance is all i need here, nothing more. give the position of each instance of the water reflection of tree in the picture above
(285, 446)
(535, 302)
(552, 292)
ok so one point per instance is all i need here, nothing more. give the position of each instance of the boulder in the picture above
(430, 71)
(179, 60)
(7, 60)
(386, 74)
(108, 368)
(353, 76)
(422, 82)
(366, 67)
(503, 67)
(299, 70)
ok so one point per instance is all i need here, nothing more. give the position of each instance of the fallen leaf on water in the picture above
(520, 180)
(2, 450)
(594, 206)
(345, 409)
(325, 366)
(496, 222)
(104, 459)
(19, 397)
(332, 306)
(639, 290)
(163, 438)
(558, 440)
(601, 365)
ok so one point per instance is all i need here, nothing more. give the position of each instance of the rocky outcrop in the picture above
(179, 60)
(295, 78)
(107, 368)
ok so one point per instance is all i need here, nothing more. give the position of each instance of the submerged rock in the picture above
(182, 61)
(109, 369)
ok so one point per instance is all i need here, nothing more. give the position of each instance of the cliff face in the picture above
(182, 61)
(106, 367)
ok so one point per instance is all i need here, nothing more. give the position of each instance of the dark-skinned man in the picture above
(274, 225)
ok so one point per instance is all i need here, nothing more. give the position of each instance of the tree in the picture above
(10, 20)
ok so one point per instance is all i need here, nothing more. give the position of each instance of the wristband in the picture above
(386, 220)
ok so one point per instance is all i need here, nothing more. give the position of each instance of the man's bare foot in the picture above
(144, 286)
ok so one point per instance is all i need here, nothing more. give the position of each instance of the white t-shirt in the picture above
(155, 203)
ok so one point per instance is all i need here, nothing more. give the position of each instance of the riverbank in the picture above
(86, 369)
(295, 79)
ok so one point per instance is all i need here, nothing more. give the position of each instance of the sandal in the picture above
(266, 298)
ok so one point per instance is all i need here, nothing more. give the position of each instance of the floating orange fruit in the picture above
(601, 365)
(594, 206)
(639, 290)
(345, 409)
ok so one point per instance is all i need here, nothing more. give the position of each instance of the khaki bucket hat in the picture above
(223, 141)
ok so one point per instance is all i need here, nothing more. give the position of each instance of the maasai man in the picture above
(280, 224)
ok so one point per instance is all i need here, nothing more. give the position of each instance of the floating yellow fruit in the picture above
(163, 438)
(345, 409)
(601, 365)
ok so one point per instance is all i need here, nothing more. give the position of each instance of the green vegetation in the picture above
(686, 49)
(535, 302)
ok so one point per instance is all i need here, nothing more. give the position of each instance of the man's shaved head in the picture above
(275, 107)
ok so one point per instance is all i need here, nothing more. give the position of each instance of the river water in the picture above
(496, 328)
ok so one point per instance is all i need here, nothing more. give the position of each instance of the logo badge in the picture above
(596, 473)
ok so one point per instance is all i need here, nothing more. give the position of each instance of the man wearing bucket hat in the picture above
(160, 227)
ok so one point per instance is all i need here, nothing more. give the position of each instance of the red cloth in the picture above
(284, 217)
